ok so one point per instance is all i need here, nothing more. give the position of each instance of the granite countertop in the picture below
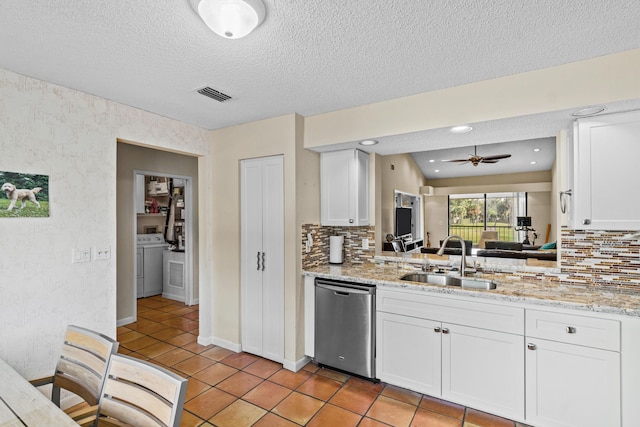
(549, 294)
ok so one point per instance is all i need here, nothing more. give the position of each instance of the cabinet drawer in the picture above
(574, 329)
(477, 314)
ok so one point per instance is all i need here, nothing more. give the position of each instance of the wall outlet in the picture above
(365, 243)
(102, 253)
(80, 255)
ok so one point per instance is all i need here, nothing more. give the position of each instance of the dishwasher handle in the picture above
(343, 290)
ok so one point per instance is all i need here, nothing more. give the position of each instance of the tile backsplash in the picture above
(589, 257)
(600, 258)
(353, 252)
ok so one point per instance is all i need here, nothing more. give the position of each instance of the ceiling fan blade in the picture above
(457, 160)
(489, 161)
(497, 157)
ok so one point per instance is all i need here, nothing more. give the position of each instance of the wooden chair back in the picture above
(139, 394)
(82, 365)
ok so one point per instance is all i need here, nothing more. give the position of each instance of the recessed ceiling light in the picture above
(368, 142)
(535, 150)
(431, 160)
(437, 170)
(461, 129)
(532, 163)
(589, 111)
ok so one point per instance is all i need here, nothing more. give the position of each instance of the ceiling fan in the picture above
(475, 159)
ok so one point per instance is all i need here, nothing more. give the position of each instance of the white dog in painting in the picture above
(14, 194)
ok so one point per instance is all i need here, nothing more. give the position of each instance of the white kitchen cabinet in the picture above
(344, 188)
(409, 352)
(262, 257)
(606, 149)
(572, 370)
(468, 352)
(484, 369)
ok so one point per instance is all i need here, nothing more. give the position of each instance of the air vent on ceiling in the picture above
(214, 94)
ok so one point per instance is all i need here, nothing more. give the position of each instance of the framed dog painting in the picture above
(24, 195)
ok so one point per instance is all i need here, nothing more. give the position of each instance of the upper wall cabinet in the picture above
(344, 188)
(606, 153)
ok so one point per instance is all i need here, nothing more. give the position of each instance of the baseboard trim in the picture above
(125, 321)
(295, 366)
(237, 348)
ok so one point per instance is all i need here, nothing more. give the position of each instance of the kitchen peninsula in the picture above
(536, 349)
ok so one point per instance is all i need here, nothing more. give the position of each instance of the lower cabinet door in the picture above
(572, 385)
(408, 352)
(483, 369)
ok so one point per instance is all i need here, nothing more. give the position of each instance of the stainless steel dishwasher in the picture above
(345, 326)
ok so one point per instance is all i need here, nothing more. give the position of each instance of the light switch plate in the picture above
(102, 253)
(365, 243)
(81, 255)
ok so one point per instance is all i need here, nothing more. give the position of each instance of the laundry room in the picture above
(157, 227)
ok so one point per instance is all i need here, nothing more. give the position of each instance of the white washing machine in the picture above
(149, 277)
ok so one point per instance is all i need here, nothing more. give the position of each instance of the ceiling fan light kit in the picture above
(231, 19)
(475, 159)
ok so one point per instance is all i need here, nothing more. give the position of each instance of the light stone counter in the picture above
(550, 294)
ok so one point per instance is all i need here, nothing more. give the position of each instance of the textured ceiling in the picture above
(308, 57)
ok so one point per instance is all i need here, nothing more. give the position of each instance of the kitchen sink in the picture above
(445, 280)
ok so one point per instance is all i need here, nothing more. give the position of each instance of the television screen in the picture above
(524, 221)
(403, 221)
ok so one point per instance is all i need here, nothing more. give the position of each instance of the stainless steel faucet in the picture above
(463, 262)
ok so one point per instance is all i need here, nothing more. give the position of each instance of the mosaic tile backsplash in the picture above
(353, 252)
(601, 258)
(589, 257)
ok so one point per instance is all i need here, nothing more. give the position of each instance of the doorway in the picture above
(133, 160)
(164, 210)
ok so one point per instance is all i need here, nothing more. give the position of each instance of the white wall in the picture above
(70, 136)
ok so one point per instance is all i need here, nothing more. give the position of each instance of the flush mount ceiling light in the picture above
(368, 142)
(461, 129)
(231, 19)
(589, 111)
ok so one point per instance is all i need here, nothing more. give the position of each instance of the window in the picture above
(471, 214)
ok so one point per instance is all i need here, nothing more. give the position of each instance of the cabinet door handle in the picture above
(563, 200)
(437, 329)
(586, 221)
(350, 221)
(531, 346)
(445, 331)
(570, 330)
(262, 261)
(258, 268)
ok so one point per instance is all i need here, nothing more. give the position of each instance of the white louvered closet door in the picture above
(262, 263)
